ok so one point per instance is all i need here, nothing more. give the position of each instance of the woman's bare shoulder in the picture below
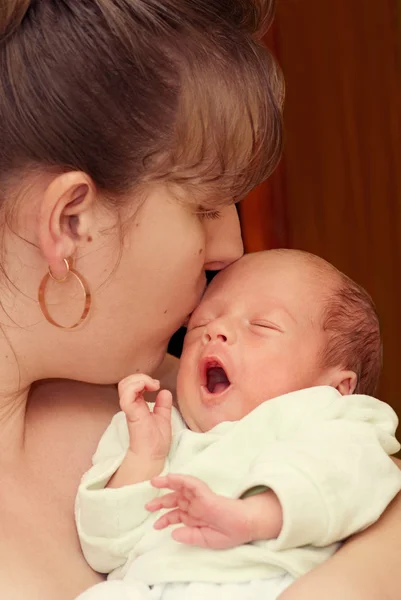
(39, 548)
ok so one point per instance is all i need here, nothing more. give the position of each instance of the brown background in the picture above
(337, 192)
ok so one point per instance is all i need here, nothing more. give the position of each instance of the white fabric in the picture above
(267, 589)
(323, 454)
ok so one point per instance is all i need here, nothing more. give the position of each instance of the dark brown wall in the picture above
(339, 188)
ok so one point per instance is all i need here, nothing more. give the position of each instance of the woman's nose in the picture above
(223, 240)
(219, 330)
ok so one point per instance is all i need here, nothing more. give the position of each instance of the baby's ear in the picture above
(345, 382)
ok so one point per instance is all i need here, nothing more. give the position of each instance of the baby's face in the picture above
(256, 335)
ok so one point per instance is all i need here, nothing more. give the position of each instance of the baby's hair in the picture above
(133, 92)
(354, 342)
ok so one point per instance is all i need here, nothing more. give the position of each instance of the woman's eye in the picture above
(209, 214)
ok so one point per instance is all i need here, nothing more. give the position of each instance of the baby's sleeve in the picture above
(332, 474)
(109, 520)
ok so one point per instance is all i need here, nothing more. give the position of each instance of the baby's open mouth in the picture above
(216, 378)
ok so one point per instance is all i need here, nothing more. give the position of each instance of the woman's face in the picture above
(142, 297)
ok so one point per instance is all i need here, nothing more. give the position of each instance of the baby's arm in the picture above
(329, 472)
(332, 474)
(367, 566)
(110, 513)
(149, 432)
(214, 521)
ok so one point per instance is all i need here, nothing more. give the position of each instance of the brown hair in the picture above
(350, 321)
(352, 324)
(136, 91)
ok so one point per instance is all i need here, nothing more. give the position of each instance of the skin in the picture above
(166, 247)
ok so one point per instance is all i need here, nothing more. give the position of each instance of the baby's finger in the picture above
(138, 382)
(127, 381)
(132, 392)
(181, 483)
(171, 518)
(163, 404)
(166, 501)
(136, 412)
(160, 481)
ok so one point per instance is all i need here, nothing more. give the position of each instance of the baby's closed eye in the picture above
(266, 325)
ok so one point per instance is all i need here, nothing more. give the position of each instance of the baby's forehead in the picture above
(285, 275)
(262, 269)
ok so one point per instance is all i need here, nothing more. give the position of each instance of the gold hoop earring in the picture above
(82, 283)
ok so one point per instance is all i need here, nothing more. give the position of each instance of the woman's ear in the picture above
(66, 218)
(345, 382)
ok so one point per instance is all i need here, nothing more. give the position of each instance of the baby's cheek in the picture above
(186, 369)
(187, 352)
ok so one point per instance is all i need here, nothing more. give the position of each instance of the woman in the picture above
(128, 128)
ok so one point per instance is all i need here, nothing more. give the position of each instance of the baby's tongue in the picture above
(217, 380)
(219, 387)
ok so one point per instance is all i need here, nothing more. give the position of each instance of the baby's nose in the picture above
(219, 336)
(219, 330)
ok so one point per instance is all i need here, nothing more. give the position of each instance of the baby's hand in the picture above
(211, 520)
(150, 432)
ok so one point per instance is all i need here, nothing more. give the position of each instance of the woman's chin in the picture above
(152, 362)
(143, 364)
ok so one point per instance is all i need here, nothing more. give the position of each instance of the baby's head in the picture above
(272, 323)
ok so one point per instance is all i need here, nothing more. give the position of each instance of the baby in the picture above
(278, 451)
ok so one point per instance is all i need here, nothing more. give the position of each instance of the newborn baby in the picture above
(277, 453)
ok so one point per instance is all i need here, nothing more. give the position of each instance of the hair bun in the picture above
(254, 16)
(12, 13)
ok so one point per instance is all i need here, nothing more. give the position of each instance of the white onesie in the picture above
(324, 455)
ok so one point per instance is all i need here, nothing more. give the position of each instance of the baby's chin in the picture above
(198, 421)
(199, 426)
(189, 420)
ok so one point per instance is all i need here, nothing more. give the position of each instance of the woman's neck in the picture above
(12, 426)
(14, 391)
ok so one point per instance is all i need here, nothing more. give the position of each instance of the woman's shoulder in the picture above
(38, 545)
